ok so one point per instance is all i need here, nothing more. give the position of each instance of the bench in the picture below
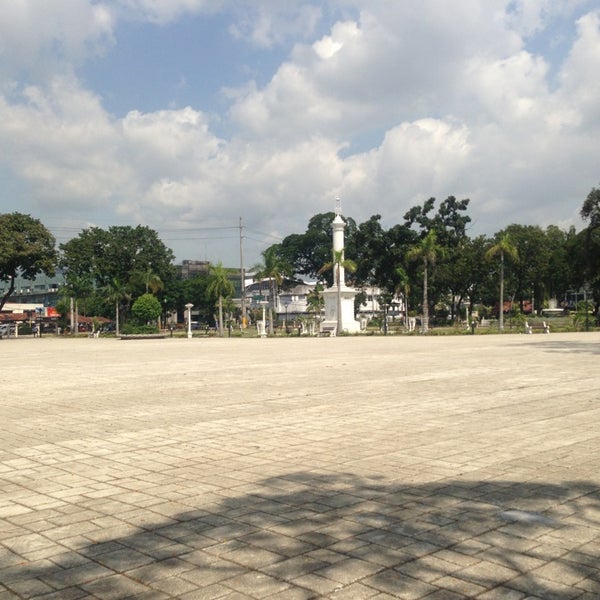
(329, 330)
(541, 327)
(487, 323)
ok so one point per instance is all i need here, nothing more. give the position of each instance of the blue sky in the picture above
(185, 115)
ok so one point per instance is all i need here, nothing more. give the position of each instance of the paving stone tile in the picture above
(72, 593)
(487, 573)
(209, 592)
(456, 585)
(30, 588)
(216, 572)
(354, 591)
(388, 479)
(257, 584)
(502, 593)
(114, 587)
(396, 584)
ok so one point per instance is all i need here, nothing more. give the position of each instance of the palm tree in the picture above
(151, 281)
(116, 292)
(337, 264)
(220, 287)
(275, 269)
(78, 288)
(403, 287)
(503, 247)
(428, 251)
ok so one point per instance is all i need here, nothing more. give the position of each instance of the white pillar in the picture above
(189, 320)
(338, 226)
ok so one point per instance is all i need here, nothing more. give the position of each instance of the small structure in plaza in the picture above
(339, 298)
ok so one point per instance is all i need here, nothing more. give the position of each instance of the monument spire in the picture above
(339, 299)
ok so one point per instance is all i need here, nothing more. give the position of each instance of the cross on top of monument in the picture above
(338, 206)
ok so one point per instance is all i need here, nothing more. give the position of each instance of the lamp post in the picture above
(263, 327)
(286, 304)
(188, 308)
(587, 312)
(39, 316)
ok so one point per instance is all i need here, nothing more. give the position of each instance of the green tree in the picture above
(219, 288)
(120, 253)
(275, 268)
(427, 251)
(590, 210)
(27, 249)
(314, 300)
(146, 309)
(590, 266)
(150, 280)
(116, 293)
(503, 247)
(193, 290)
(77, 288)
(336, 265)
(449, 223)
(306, 253)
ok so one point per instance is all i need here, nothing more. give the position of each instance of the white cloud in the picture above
(579, 75)
(272, 22)
(161, 12)
(396, 102)
(41, 39)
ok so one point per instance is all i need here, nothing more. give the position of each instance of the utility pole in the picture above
(242, 277)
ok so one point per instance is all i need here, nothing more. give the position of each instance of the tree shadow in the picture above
(569, 347)
(303, 535)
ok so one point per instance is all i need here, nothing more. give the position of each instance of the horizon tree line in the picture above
(429, 259)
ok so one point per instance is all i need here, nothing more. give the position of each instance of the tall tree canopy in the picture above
(120, 257)
(27, 249)
(306, 253)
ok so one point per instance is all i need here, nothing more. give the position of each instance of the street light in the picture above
(263, 324)
(286, 304)
(188, 308)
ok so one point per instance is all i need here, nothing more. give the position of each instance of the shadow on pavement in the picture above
(555, 344)
(308, 536)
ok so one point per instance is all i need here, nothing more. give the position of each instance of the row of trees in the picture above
(431, 259)
(123, 273)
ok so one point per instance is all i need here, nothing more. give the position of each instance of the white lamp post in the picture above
(263, 323)
(188, 308)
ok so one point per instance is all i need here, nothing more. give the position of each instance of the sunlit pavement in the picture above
(398, 467)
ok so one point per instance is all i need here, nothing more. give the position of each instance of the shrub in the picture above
(132, 329)
(146, 308)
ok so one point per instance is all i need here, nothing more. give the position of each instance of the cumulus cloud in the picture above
(272, 22)
(389, 104)
(41, 39)
(161, 12)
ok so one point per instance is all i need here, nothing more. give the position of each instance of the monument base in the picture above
(330, 297)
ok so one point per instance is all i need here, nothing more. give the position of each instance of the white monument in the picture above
(339, 300)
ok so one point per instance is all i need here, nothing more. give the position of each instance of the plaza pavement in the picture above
(343, 468)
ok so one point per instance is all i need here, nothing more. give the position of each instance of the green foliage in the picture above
(590, 211)
(194, 291)
(123, 262)
(306, 253)
(136, 329)
(219, 289)
(146, 308)
(27, 249)
(314, 300)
